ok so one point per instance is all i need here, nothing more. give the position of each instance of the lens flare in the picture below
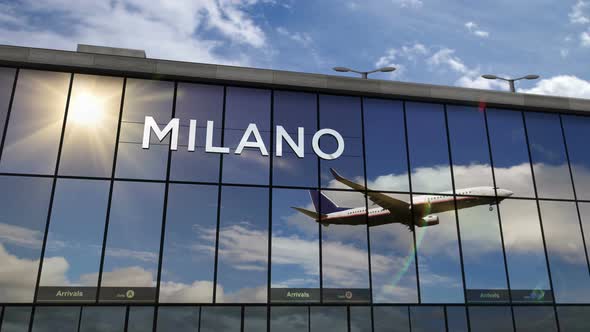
(86, 110)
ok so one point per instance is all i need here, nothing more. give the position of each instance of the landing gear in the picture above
(491, 208)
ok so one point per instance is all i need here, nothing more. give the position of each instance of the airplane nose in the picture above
(507, 193)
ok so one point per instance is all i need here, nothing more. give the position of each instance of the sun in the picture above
(86, 110)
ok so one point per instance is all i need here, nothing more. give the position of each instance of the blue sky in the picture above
(450, 42)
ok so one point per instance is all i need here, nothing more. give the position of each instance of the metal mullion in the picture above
(80, 318)
(126, 327)
(348, 318)
(242, 317)
(407, 141)
(567, 155)
(219, 188)
(319, 188)
(363, 141)
(270, 219)
(9, 111)
(446, 318)
(409, 317)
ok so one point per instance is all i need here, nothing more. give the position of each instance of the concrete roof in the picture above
(165, 69)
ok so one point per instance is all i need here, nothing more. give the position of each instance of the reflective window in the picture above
(345, 256)
(550, 165)
(534, 319)
(438, 250)
(328, 319)
(133, 242)
(91, 127)
(295, 248)
(567, 258)
(23, 213)
(393, 256)
(76, 231)
(51, 319)
(254, 319)
(584, 209)
(201, 103)
(360, 319)
(144, 98)
(483, 257)
(289, 319)
(577, 133)
(181, 319)
(293, 110)
(342, 114)
(6, 83)
(385, 145)
(429, 153)
(34, 129)
(102, 319)
(469, 148)
(188, 261)
(140, 319)
(525, 252)
(16, 319)
(492, 319)
(457, 319)
(245, 106)
(391, 319)
(243, 245)
(427, 319)
(573, 318)
(221, 319)
(512, 167)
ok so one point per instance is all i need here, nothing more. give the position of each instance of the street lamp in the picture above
(511, 80)
(364, 74)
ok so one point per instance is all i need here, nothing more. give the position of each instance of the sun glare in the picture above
(87, 110)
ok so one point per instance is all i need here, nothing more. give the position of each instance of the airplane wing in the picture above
(387, 202)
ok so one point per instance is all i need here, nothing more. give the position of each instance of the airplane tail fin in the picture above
(323, 204)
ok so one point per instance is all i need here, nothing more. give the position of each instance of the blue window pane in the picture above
(49, 319)
(103, 319)
(181, 319)
(573, 318)
(140, 319)
(535, 319)
(289, 319)
(6, 83)
(577, 133)
(16, 319)
(427, 319)
(391, 319)
(327, 319)
(492, 319)
(360, 319)
(220, 319)
(457, 319)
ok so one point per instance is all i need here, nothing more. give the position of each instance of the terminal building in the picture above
(139, 194)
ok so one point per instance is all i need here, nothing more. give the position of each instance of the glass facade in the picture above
(238, 217)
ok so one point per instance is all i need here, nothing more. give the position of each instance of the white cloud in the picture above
(405, 53)
(580, 12)
(135, 276)
(143, 256)
(302, 38)
(409, 3)
(562, 85)
(585, 38)
(198, 291)
(20, 236)
(473, 28)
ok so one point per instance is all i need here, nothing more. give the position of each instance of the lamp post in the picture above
(364, 74)
(511, 80)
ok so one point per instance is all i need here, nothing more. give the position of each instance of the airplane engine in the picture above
(430, 220)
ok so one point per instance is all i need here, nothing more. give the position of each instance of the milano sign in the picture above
(250, 139)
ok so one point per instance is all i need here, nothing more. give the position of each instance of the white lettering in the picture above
(298, 148)
(192, 134)
(245, 143)
(209, 141)
(150, 124)
(315, 143)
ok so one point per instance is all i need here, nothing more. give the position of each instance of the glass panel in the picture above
(342, 114)
(74, 243)
(483, 257)
(345, 258)
(289, 319)
(6, 83)
(534, 319)
(525, 252)
(295, 248)
(144, 98)
(550, 165)
(438, 250)
(16, 319)
(91, 127)
(133, 242)
(573, 319)
(360, 319)
(23, 213)
(492, 319)
(427, 319)
(201, 103)
(577, 133)
(254, 319)
(429, 153)
(393, 260)
(469, 147)
(569, 268)
(245, 106)
(391, 319)
(584, 209)
(293, 110)
(51, 319)
(512, 167)
(188, 261)
(181, 319)
(328, 319)
(102, 319)
(457, 319)
(221, 319)
(243, 245)
(34, 128)
(140, 319)
(385, 145)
